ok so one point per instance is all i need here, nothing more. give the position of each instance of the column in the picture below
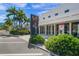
(45, 29)
(70, 28)
(54, 29)
(39, 29)
(51, 29)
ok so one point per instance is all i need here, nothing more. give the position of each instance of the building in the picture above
(63, 19)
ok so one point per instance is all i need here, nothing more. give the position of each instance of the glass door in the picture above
(74, 29)
(66, 28)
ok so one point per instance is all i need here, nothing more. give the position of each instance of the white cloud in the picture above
(20, 4)
(44, 6)
(2, 7)
(28, 8)
(2, 17)
(37, 5)
(42, 12)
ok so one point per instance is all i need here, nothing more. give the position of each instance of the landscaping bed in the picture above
(37, 39)
(64, 44)
(19, 32)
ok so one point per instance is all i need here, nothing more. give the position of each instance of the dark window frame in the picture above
(49, 16)
(66, 11)
(43, 17)
(56, 14)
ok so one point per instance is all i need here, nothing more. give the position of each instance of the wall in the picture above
(73, 14)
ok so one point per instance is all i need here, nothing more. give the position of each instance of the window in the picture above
(49, 16)
(56, 14)
(43, 17)
(66, 10)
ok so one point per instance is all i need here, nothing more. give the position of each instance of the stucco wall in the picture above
(73, 14)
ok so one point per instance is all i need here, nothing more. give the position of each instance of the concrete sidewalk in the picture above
(25, 37)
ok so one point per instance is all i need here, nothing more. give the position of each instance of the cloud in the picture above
(44, 6)
(37, 5)
(20, 4)
(2, 7)
(2, 17)
(42, 12)
(28, 8)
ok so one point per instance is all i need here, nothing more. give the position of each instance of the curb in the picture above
(51, 53)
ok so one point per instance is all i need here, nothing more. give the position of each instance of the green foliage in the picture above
(63, 44)
(1, 26)
(8, 24)
(20, 32)
(16, 17)
(37, 39)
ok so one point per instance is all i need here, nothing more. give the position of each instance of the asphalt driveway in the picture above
(16, 45)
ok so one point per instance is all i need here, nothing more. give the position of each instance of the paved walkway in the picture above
(18, 45)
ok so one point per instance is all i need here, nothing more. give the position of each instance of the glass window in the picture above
(66, 10)
(48, 29)
(56, 14)
(49, 16)
(66, 28)
(42, 29)
(43, 17)
(74, 29)
(52, 29)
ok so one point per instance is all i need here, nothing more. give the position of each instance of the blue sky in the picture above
(29, 8)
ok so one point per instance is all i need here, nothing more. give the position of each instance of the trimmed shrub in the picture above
(37, 39)
(19, 32)
(63, 44)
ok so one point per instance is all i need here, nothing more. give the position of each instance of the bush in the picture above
(37, 39)
(19, 32)
(63, 44)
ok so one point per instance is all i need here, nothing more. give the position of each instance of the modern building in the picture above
(62, 19)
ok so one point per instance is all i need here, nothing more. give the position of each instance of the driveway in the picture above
(10, 45)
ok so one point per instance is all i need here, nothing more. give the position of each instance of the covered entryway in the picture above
(61, 28)
(75, 29)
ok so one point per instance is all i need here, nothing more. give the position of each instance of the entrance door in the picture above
(75, 29)
(66, 28)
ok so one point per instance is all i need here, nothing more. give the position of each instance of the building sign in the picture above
(61, 28)
(34, 24)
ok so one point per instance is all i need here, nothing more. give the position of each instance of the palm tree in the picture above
(8, 24)
(11, 11)
(21, 17)
(26, 20)
(12, 14)
(17, 16)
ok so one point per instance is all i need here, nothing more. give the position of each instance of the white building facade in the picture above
(63, 19)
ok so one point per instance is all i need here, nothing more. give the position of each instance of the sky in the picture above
(28, 8)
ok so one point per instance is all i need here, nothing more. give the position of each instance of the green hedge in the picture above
(37, 39)
(19, 32)
(63, 44)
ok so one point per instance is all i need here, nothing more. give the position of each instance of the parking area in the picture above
(18, 45)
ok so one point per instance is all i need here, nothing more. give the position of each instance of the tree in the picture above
(17, 16)
(12, 14)
(8, 24)
(21, 17)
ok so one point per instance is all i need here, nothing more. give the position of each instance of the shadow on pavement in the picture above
(10, 35)
(30, 45)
